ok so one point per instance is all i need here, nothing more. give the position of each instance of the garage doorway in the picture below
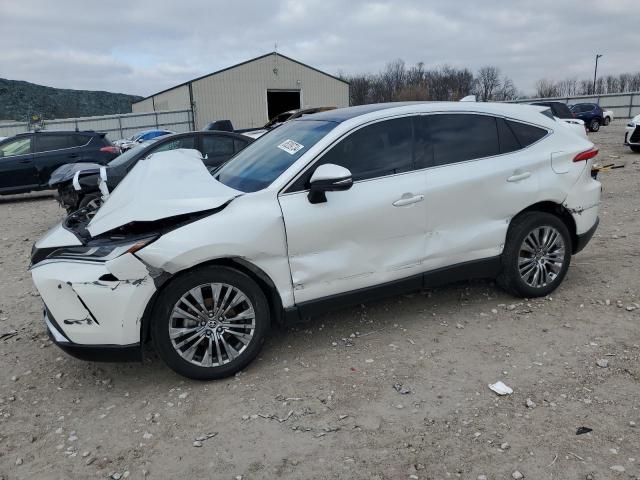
(279, 101)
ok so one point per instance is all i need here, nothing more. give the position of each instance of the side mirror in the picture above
(328, 178)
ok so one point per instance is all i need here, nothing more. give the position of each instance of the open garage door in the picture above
(279, 101)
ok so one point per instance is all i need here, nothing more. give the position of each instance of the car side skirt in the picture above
(484, 268)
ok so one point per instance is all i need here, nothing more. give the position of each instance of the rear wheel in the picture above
(536, 256)
(635, 148)
(210, 323)
(594, 125)
(607, 121)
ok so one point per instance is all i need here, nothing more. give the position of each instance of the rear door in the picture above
(480, 178)
(368, 235)
(17, 171)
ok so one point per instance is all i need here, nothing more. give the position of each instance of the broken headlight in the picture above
(100, 252)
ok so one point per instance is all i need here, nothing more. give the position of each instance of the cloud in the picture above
(140, 47)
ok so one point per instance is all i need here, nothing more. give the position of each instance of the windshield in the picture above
(258, 165)
(124, 158)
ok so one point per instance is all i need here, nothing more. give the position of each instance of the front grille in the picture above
(635, 136)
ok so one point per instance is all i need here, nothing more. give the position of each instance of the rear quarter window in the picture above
(526, 134)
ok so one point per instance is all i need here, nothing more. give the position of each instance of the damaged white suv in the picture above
(327, 210)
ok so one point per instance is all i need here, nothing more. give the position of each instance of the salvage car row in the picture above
(326, 210)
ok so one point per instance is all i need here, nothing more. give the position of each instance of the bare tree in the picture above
(359, 87)
(487, 82)
(546, 88)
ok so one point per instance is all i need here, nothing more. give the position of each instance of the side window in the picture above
(239, 144)
(19, 146)
(380, 149)
(460, 137)
(77, 140)
(182, 142)
(47, 142)
(526, 134)
(508, 140)
(217, 145)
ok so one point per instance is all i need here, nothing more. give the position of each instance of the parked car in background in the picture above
(126, 144)
(220, 125)
(27, 160)
(78, 184)
(562, 112)
(590, 113)
(608, 117)
(284, 117)
(326, 210)
(632, 135)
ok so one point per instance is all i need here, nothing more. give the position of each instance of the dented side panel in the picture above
(250, 227)
(583, 200)
(358, 238)
(470, 204)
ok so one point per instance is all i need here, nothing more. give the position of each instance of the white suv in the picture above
(326, 210)
(632, 134)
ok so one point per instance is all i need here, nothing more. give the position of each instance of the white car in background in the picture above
(632, 135)
(327, 210)
(607, 117)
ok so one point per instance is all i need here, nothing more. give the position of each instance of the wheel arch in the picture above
(557, 210)
(255, 273)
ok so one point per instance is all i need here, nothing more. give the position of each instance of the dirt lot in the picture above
(320, 402)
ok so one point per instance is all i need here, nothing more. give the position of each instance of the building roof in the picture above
(238, 65)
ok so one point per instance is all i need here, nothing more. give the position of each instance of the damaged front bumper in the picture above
(95, 353)
(95, 309)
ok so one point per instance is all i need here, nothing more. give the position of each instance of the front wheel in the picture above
(635, 148)
(607, 121)
(594, 125)
(536, 256)
(210, 322)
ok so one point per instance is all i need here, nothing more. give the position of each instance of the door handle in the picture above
(408, 199)
(24, 161)
(516, 177)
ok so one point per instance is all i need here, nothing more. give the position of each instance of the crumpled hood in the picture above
(163, 185)
(66, 172)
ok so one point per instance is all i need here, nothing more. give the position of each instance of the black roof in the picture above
(342, 114)
(238, 65)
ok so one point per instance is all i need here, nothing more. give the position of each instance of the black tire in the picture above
(594, 125)
(607, 121)
(635, 148)
(173, 293)
(521, 227)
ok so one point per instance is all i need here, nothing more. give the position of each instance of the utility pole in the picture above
(595, 73)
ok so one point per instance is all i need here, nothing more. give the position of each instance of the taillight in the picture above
(111, 149)
(586, 155)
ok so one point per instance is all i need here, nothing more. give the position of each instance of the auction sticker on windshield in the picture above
(290, 147)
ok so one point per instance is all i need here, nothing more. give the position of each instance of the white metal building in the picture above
(251, 93)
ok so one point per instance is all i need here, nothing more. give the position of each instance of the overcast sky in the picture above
(141, 47)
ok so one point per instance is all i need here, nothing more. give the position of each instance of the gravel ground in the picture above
(320, 401)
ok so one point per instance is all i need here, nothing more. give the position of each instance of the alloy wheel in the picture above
(541, 256)
(212, 324)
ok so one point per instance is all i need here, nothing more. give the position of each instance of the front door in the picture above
(368, 235)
